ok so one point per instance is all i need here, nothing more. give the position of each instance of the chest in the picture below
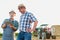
(24, 18)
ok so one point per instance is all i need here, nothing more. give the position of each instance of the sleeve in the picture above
(4, 21)
(32, 18)
(16, 25)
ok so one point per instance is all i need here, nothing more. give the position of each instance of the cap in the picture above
(21, 6)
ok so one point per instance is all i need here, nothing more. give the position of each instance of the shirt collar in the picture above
(24, 13)
(10, 19)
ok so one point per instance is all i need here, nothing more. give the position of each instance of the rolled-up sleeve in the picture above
(32, 17)
(4, 22)
(16, 24)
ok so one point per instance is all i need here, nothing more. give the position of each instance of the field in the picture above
(35, 38)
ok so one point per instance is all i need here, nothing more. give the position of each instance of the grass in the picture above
(0, 35)
(16, 34)
(33, 37)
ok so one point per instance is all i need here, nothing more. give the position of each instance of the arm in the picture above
(14, 27)
(35, 24)
(4, 24)
(11, 26)
(32, 20)
(34, 27)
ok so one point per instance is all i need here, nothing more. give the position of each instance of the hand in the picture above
(7, 22)
(4, 25)
(29, 30)
(33, 29)
(10, 25)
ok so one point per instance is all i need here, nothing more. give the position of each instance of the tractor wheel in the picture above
(54, 37)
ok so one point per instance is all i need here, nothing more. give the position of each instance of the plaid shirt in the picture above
(25, 21)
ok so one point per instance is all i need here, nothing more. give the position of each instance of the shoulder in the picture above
(29, 13)
(6, 19)
(16, 21)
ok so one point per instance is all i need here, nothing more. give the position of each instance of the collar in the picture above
(10, 19)
(24, 13)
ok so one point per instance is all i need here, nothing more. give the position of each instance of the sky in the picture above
(46, 11)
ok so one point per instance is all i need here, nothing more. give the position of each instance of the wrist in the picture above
(10, 26)
(33, 28)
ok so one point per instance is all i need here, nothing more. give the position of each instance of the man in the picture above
(25, 23)
(9, 27)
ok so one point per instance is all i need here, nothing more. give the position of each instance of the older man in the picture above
(25, 23)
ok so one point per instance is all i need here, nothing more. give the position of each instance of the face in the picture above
(22, 10)
(12, 15)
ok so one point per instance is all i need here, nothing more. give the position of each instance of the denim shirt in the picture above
(8, 32)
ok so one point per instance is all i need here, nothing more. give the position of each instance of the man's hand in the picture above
(12, 26)
(30, 30)
(4, 26)
(35, 24)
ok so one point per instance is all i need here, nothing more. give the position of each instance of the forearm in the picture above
(35, 24)
(14, 28)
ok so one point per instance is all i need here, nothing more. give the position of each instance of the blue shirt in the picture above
(25, 21)
(8, 32)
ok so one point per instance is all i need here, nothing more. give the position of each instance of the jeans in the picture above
(24, 36)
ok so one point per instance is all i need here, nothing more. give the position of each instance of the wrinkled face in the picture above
(12, 15)
(22, 9)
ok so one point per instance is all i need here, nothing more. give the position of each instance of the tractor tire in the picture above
(48, 36)
(54, 37)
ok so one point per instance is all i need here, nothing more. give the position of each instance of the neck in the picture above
(11, 18)
(24, 12)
